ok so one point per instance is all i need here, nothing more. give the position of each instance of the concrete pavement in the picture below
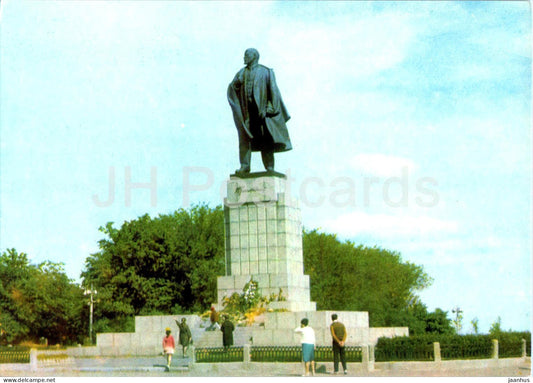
(155, 367)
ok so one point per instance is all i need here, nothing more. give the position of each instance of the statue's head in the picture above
(251, 55)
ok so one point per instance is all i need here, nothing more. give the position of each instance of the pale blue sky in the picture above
(410, 126)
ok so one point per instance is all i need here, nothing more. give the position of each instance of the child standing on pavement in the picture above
(168, 347)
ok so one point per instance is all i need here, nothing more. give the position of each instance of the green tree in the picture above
(348, 277)
(62, 317)
(475, 325)
(458, 320)
(415, 317)
(496, 327)
(169, 264)
(420, 321)
(437, 322)
(38, 301)
(162, 265)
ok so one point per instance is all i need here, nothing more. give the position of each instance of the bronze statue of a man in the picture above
(258, 112)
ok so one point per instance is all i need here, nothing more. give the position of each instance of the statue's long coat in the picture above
(268, 99)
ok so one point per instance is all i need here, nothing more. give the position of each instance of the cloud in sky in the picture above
(381, 165)
(359, 223)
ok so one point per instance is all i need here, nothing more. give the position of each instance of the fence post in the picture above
(246, 353)
(495, 349)
(371, 357)
(33, 359)
(366, 357)
(192, 353)
(524, 348)
(436, 352)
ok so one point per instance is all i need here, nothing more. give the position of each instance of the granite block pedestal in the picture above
(263, 237)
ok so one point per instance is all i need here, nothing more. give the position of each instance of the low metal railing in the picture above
(219, 354)
(14, 355)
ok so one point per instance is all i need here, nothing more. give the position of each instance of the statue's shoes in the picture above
(242, 171)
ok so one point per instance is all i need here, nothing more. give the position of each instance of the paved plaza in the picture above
(154, 367)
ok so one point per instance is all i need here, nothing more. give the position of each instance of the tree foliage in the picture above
(496, 327)
(161, 265)
(420, 321)
(348, 277)
(437, 322)
(170, 264)
(38, 301)
(475, 325)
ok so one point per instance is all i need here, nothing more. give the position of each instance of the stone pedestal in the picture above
(263, 236)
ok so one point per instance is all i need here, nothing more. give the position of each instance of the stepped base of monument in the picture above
(292, 306)
(269, 329)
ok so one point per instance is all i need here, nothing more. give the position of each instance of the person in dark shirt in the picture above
(227, 332)
(338, 335)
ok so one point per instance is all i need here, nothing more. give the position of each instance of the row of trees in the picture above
(169, 265)
(38, 301)
(358, 278)
(163, 265)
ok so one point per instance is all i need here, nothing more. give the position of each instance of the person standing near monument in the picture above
(213, 318)
(168, 346)
(258, 112)
(338, 335)
(308, 345)
(185, 335)
(227, 332)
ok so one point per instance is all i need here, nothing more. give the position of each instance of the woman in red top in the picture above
(168, 347)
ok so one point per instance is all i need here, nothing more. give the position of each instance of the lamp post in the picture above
(91, 293)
